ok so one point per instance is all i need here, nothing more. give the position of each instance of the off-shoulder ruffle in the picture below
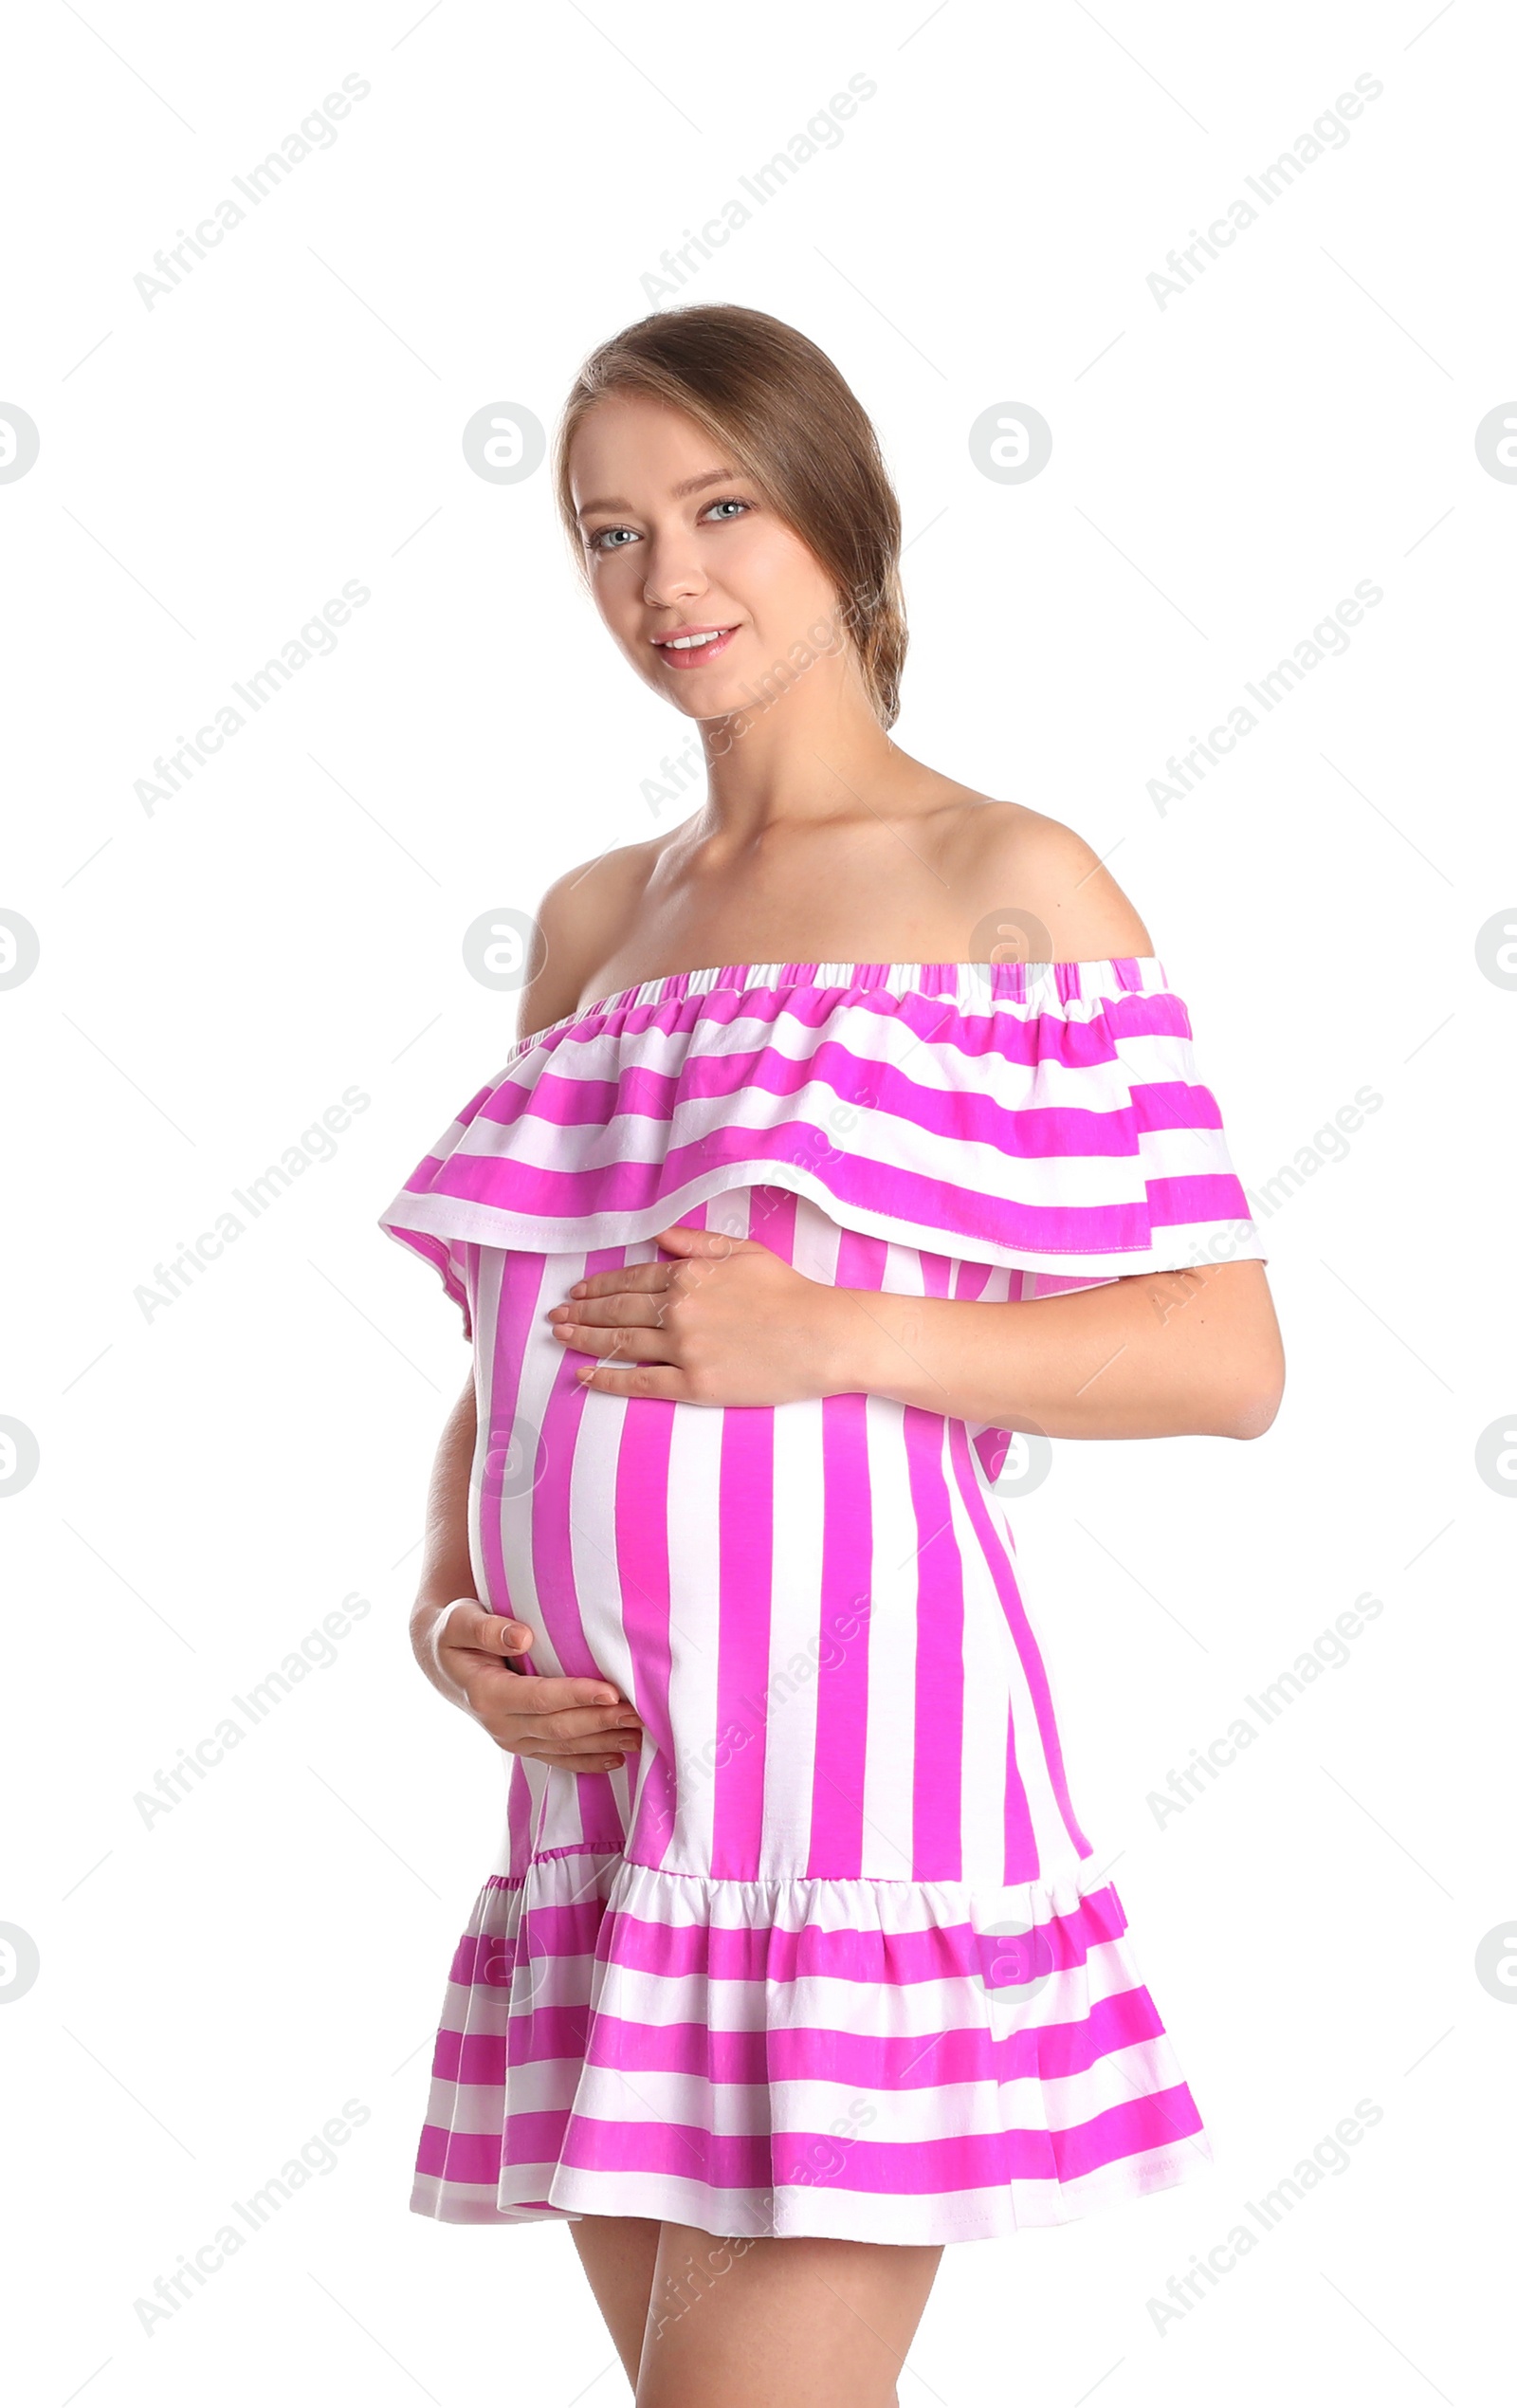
(1045, 1117)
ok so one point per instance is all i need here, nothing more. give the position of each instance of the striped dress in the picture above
(831, 1954)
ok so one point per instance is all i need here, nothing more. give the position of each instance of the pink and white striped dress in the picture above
(831, 1956)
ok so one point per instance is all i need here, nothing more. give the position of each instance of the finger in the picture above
(569, 1752)
(679, 1240)
(638, 1379)
(592, 1733)
(513, 1638)
(553, 1692)
(606, 1725)
(582, 1763)
(576, 1751)
(468, 1624)
(636, 1277)
(537, 1737)
(643, 1311)
(627, 1346)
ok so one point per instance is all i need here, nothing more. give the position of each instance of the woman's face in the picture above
(679, 543)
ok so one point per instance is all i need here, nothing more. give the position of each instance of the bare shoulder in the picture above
(1013, 858)
(580, 920)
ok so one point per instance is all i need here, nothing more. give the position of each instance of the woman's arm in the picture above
(1167, 1354)
(1157, 1355)
(578, 1724)
(447, 1571)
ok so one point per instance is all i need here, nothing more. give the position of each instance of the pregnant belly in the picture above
(683, 1552)
(814, 1607)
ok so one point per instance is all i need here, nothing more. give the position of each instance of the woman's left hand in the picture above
(722, 1321)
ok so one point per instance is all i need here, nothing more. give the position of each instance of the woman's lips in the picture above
(694, 655)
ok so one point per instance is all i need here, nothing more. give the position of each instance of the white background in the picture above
(216, 1478)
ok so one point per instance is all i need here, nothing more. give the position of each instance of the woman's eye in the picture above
(616, 539)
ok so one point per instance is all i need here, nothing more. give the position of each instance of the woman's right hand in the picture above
(571, 1722)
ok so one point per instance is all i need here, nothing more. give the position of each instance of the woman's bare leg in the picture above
(618, 2254)
(779, 2323)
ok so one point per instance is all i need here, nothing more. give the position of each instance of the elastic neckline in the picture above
(979, 983)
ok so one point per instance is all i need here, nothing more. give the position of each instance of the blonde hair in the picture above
(786, 418)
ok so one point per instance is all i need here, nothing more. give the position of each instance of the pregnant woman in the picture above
(851, 1125)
